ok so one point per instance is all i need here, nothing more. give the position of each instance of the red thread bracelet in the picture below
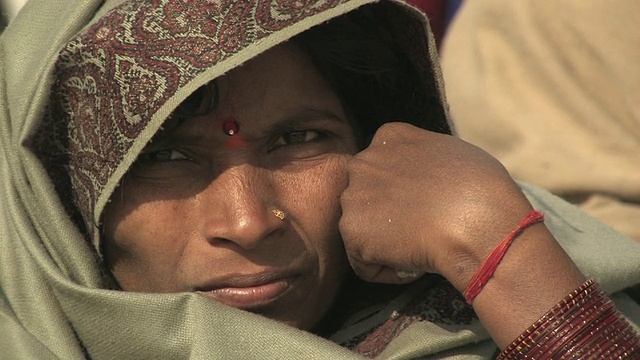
(489, 265)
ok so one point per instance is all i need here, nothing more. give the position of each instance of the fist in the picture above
(422, 202)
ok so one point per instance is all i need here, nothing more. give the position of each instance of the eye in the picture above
(160, 156)
(297, 137)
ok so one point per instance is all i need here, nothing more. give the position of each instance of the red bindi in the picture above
(231, 127)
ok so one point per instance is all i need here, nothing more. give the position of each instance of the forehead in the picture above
(281, 84)
(283, 70)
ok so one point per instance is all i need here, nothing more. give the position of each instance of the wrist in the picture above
(520, 290)
(491, 262)
(476, 259)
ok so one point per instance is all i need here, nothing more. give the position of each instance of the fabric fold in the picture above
(57, 299)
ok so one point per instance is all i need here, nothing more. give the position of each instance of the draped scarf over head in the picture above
(118, 80)
(82, 99)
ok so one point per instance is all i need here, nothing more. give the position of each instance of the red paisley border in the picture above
(112, 78)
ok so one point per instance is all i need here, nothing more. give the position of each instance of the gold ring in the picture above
(279, 214)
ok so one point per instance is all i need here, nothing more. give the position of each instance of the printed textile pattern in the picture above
(111, 79)
(442, 305)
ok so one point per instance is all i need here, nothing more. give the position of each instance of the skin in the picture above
(195, 211)
(433, 203)
(413, 200)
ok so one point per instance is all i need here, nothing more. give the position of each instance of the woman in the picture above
(161, 194)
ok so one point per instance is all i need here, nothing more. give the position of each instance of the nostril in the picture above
(247, 228)
(237, 206)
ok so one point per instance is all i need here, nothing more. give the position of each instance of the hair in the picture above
(362, 62)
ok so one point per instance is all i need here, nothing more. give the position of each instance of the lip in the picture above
(249, 292)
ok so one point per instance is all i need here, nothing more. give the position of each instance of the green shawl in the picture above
(54, 300)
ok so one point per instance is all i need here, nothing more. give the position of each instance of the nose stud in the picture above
(231, 127)
(279, 214)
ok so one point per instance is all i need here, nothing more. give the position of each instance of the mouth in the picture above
(249, 294)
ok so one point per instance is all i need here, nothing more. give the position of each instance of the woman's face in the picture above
(195, 213)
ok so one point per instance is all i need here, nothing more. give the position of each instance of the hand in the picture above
(429, 202)
(425, 202)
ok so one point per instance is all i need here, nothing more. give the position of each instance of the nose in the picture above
(237, 207)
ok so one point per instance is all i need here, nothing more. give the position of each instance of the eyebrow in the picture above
(294, 121)
(305, 115)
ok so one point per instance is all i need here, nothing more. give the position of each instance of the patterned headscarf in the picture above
(120, 79)
(93, 84)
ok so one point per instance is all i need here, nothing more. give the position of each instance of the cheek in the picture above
(140, 241)
(313, 198)
(315, 192)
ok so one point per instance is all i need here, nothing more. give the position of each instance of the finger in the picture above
(367, 272)
(404, 274)
(377, 273)
(387, 275)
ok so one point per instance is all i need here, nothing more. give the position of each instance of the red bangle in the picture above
(530, 340)
(489, 265)
(584, 325)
